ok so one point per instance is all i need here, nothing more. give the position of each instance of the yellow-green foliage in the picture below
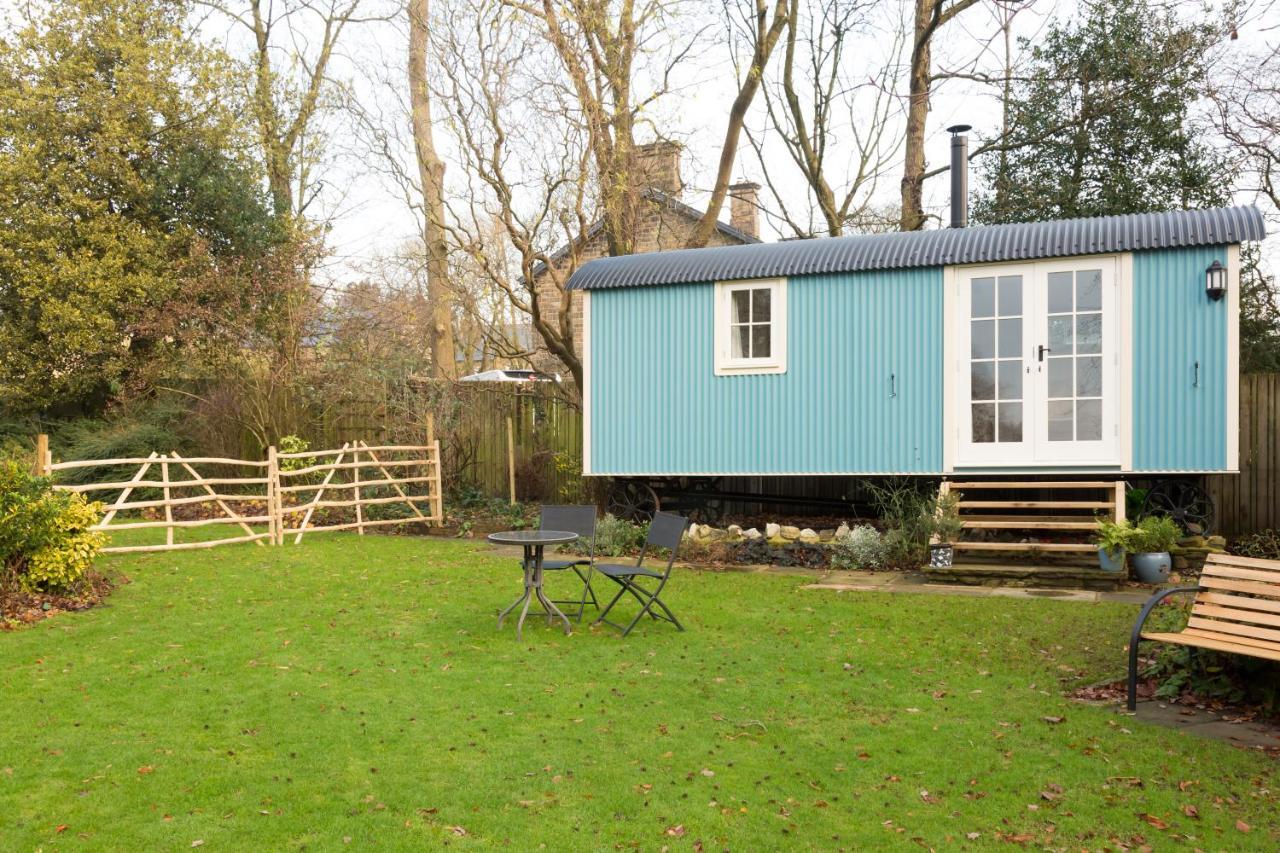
(45, 540)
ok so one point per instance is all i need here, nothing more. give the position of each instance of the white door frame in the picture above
(1117, 380)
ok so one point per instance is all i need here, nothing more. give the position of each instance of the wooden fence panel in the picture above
(268, 486)
(1250, 501)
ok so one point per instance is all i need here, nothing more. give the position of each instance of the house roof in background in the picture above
(668, 201)
(901, 250)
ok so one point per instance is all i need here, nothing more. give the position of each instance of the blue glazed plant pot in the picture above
(1111, 561)
(1152, 567)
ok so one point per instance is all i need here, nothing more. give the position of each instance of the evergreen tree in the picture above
(121, 182)
(1100, 124)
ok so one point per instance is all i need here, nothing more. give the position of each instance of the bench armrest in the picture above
(1136, 637)
(1151, 605)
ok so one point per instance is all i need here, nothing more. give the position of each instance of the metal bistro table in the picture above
(534, 541)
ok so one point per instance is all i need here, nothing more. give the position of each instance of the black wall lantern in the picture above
(1215, 281)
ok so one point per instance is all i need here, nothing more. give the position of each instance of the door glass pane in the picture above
(1010, 422)
(1060, 335)
(982, 380)
(1060, 377)
(1010, 296)
(740, 340)
(1010, 380)
(1010, 337)
(984, 297)
(984, 423)
(1089, 332)
(1089, 420)
(760, 341)
(1088, 377)
(982, 342)
(760, 304)
(1089, 290)
(1060, 287)
(741, 306)
(1061, 417)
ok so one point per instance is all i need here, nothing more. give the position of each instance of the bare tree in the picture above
(523, 140)
(930, 16)
(762, 37)
(1246, 102)
(835, 113)
(431, 179)
(286, 101)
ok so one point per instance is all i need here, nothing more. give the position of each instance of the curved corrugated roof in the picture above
(980, 244)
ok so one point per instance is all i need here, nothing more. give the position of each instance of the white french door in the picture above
(1036, 353)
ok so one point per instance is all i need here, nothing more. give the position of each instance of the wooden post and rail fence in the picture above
(267, 499)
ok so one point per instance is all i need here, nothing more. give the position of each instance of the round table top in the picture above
(532, 537)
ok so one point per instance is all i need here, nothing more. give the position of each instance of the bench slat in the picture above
(1249, 617)
(1272, 577)
(1246, 562)
(1243, 601)
(1240, 586)
(1217, 644)
(1235, 629)
(1231, 638)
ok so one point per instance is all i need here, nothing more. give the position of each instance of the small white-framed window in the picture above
(751, 327)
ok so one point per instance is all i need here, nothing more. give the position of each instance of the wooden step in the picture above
(1062, 484)
(1024, 546)
(1031, 522)
(1036, 505)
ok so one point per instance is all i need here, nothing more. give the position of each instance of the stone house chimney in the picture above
(744, 208)
(658, 167)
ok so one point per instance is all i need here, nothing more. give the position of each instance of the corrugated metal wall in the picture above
(854, 340)
(1179, 417)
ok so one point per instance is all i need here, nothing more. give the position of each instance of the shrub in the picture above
(1154, 534)
(616, 537)
(861, 548)
(45, 541)
(1263, 545)
(1115, 537)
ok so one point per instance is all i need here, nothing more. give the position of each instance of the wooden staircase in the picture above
(1044, 533)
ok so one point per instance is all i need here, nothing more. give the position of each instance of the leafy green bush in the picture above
(1115, 537)
(861, 548)
(131, 432)
(1263, 545)
(45, 541)
(616, 537)
(911, 518)
(1154, 534)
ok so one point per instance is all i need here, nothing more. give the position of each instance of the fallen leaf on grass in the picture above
(1191, 811)
(199, 842)
(458, 831)
(1053, 721)
(676, 831)
(1153, 820)
(1242, 826)
(62, 827)
(925, 796)
(145, 769)
(973, 836)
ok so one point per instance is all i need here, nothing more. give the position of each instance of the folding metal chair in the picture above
(665, 531)
(582, 521)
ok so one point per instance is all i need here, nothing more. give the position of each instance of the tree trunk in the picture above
(431, 176)
(911, 217)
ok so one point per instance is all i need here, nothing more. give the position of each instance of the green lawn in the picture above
(355, 690)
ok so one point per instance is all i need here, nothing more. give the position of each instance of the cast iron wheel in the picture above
(1184, 501)
(633, 501)
(706, 510)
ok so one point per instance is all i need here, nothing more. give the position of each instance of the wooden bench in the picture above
(1236, 609)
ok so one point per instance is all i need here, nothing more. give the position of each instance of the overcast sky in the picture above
(369, 214)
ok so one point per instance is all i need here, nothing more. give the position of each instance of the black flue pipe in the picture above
(959, 175)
